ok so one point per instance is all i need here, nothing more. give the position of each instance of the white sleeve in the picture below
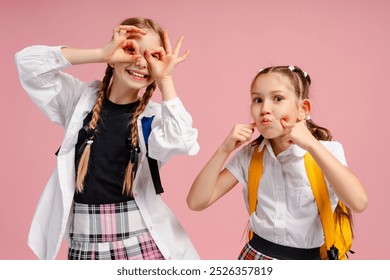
(54, 92)
(238, 165)
(172, 132)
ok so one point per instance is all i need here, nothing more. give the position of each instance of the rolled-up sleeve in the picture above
(54, 92)
(173, 133)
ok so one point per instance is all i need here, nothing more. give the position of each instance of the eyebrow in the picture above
(272, 92)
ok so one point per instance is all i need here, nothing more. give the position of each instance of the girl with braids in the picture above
(285, 222)
(102, 195)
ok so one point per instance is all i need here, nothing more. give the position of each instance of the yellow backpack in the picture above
(337, 227)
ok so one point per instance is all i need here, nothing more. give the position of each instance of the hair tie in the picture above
(90, 133)
(292, 69)
(88, 141)
(308, 118)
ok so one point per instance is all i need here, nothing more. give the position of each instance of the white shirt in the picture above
(66, 100)
(286, 212)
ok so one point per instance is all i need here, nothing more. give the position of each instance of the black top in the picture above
(110, 154)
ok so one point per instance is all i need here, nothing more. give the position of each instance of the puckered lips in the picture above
(265, 122)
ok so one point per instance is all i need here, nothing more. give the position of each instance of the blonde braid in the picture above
(82, 169)
(129, 172)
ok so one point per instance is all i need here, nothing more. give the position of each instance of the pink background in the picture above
(344, 46)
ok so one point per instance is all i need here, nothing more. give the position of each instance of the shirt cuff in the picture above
(173, 106)
(59, 59)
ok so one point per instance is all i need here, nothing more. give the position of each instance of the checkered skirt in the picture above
(110, 232)
(249, 253)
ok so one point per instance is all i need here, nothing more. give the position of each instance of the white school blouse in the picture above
(66, 101)
(286, 212)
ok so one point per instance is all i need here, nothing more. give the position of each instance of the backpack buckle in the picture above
(333, 253)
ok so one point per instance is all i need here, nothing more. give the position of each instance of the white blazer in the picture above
(66, 100)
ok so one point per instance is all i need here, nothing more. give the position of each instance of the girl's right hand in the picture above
(298, 133)
(121, 48)
(239, 134)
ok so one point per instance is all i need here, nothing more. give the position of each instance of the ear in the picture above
(304, 109)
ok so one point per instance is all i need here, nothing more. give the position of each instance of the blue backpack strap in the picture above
(147, 127)
(153, 165)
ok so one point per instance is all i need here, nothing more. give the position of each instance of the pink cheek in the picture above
(286, 119)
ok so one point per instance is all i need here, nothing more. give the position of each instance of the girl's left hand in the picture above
(297, 133)
(162, 62)
(117, 50)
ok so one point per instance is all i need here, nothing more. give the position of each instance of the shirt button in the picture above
(57, 61)
(150, 228)
(169, 258)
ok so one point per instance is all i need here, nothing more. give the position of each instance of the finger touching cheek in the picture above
(283, 122)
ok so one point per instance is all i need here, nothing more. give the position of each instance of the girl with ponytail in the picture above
(284, 220)
(102, 196)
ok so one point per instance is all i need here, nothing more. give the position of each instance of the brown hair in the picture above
(82, 169)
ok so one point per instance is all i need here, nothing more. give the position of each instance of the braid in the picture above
(82, 169)
(319, 132)
(141, 107)
(129, 174)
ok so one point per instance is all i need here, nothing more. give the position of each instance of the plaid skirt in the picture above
(249, 253)
(259, 248)
(110, 232)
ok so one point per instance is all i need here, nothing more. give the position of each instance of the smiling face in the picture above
(273, 99)
(135, 75)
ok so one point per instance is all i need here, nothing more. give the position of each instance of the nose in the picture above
(141, 62)
(265, 108)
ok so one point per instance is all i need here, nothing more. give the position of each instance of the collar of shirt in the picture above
(294, 150)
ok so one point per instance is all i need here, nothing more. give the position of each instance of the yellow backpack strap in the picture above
(254, 174)
(321, 195)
